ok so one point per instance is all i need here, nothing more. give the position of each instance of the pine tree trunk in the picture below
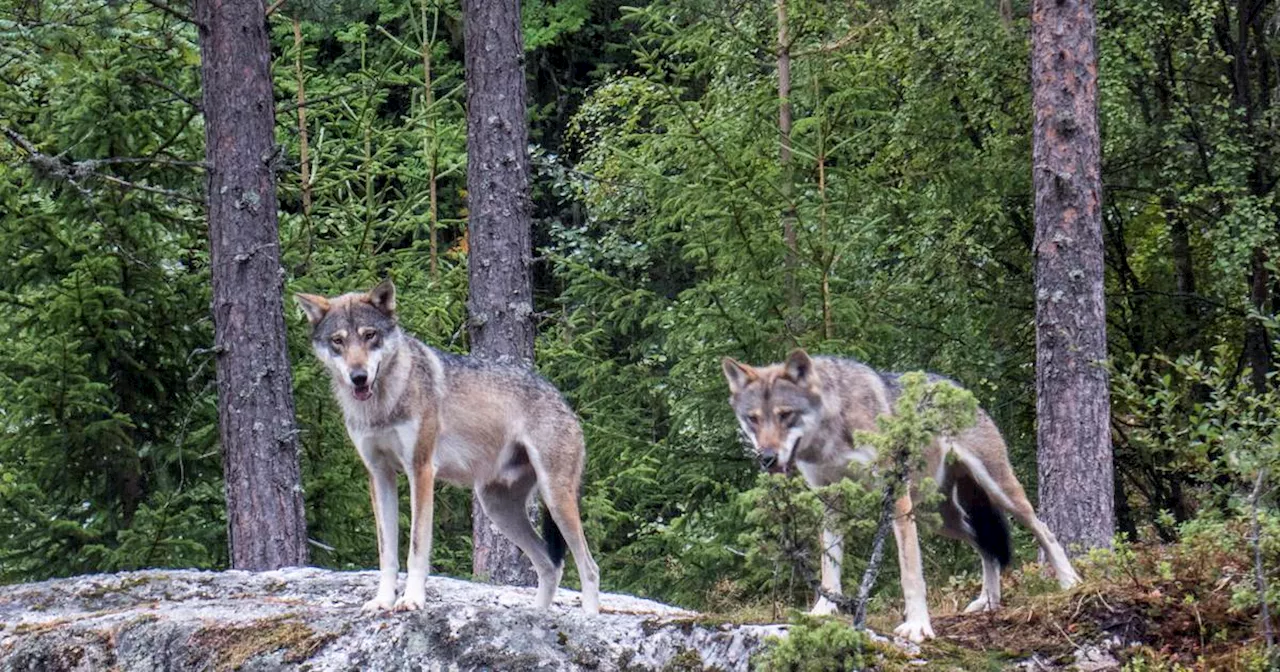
(1072, 397)
(303, 146)
(790, 283)
(500, 217)
(1257, 342)
(265, 521)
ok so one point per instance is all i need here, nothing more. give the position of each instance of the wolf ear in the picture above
(738, 374)
(383, 297)
(314, 306)
(799, 366)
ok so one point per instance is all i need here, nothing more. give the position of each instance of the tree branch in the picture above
(171, 89)
(1260, 576)
(868, 582)
(175, 13)
(73, 172)
(143, 187)
(293, 105)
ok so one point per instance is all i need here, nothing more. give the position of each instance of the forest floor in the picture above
(1149, 607)
(1143, 608)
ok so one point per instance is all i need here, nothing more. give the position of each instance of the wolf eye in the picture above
(786, 417)
(336, 341)
(371, 335)
(753, 418)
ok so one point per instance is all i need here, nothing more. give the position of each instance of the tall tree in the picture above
(791, 287)
(501, 253)
(265, 521)
(1072, 398)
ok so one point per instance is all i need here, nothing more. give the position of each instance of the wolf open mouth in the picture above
(362, 392)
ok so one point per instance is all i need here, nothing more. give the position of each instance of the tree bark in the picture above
(787, 187)
(1257, 342)
(1073, 402)
(501, 255)
(430, 146)
(303, 148)
(265, 521)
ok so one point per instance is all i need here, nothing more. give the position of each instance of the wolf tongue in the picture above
(362, 393)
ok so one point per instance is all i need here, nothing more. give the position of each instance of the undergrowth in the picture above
(1184, 606)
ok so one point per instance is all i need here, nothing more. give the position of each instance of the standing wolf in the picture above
(803, 413)
(499, 429)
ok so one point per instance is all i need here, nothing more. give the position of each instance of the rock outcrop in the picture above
(310, 619)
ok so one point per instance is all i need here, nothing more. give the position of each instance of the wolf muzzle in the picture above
(769, 462)
(360, 384)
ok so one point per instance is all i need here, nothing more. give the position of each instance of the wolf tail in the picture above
(554, 538)
(990, 530)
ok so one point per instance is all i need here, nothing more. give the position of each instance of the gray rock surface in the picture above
(310, 619)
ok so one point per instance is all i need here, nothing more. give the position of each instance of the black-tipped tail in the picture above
(990, 529)
(556, 545)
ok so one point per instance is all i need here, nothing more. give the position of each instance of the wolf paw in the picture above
(916, 631)
(980, 604)
(824, 607)
(409, 602)
(376, 605)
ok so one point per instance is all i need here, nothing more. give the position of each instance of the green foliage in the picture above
(107, 447)
(1190, 418)
(815, 645)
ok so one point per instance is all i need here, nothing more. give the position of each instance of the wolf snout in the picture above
(360, 384)
(769, 462)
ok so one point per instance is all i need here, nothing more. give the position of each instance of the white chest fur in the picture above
(391, 445)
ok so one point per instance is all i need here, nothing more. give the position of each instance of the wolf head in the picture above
(354, 335)
(776, 406)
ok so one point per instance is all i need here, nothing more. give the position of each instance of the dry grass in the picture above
(1174, 603)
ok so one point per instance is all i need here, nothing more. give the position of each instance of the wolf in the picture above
(499, 429)
(802, 413)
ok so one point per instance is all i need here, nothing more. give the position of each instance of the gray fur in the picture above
(502, 430)
(805, 412)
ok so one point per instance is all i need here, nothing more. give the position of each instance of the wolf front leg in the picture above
(916, 627)
(832, 564)
(386, 514)
(422, 485)
(422, 492)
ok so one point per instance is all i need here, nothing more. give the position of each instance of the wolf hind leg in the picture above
(563, 508)
(954, 526)
(997, 479)
(558, 460)
(504, 504)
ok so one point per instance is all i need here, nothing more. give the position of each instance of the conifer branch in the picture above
(75, 173)
(171, 11)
